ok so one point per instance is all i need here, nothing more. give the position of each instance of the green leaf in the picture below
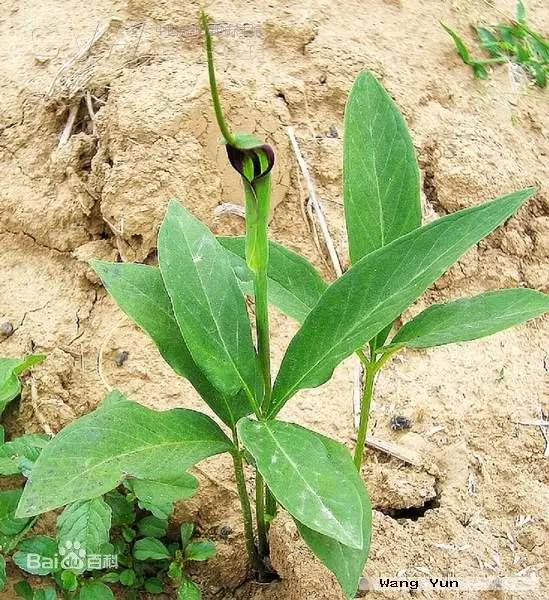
(128, 533)
(311, 476)
(17, 454)
(153, 585)
(378, 288)
(87, 523)
(188, 590)
(202, 550)
(119, 440)
(95, 590)
(10, 369)
(10, 525)
(128, 577)
(158, 496)
(479, 70)
(489, 41)
(471, 318)
(460, 45)
(150, 548)
(3, 576)
(540, 74)
(69, 581)
(175, 570)
(139, 291)
(381, 185)
(294, 285)
(380, 172)
(207, 302)
(345, 562)
(23, 590)
(122, 509)
(37, 555)
(152, 526)
(521, 12)
(245, 141)
(47, 593)
(186, 531)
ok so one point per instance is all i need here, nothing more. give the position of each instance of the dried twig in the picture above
(97, 35)
(91, 112)
(67, 130)
(34, 403)
(315, 203)
(404, 454)
(228, 208)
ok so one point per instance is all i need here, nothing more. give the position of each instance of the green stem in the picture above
(372, 367)
(15, 540)
(367, 394)
(270, 505)
(262, 330)
(262, 544)
(246, 510)
(220, 117)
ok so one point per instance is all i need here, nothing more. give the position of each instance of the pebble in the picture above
(6, 329)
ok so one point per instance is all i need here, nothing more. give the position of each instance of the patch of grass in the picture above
(514, 41)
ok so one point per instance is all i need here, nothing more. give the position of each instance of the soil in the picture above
(476, 505)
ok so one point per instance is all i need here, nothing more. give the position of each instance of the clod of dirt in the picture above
(121, 357)
(400, 422)
(396, 490)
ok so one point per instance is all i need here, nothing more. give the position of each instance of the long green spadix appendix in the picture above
(193, 306)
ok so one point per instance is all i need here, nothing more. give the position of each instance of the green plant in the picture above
(194, 309)
(514, 42)
(118, 526)
(113, 540)
(16, 458)
(147, 558)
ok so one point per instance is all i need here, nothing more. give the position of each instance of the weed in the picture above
(126, 530)
(514, 42)
(194, 309)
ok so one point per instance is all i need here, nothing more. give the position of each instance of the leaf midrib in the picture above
(295, 467)
(207, 299)
(359, 325)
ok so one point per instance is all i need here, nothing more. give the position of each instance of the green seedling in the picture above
(11, 370)
(16, 458)
(193, 307)
(111, 541)
(514, 42)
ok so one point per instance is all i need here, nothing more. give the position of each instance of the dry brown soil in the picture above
(477, 505)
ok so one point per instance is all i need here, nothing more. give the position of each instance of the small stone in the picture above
(121, 357)
(6, 329)
(400, 422)
(332, 133)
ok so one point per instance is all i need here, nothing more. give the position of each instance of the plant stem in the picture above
(367, 394)
(246, 510)
(15, 540)
(262, 330)
(270, 505)
(257, 257)
(225, 131)
(372, 367)
(262, 544)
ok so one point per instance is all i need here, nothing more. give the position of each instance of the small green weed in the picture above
(120, 538)
(514, 42)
